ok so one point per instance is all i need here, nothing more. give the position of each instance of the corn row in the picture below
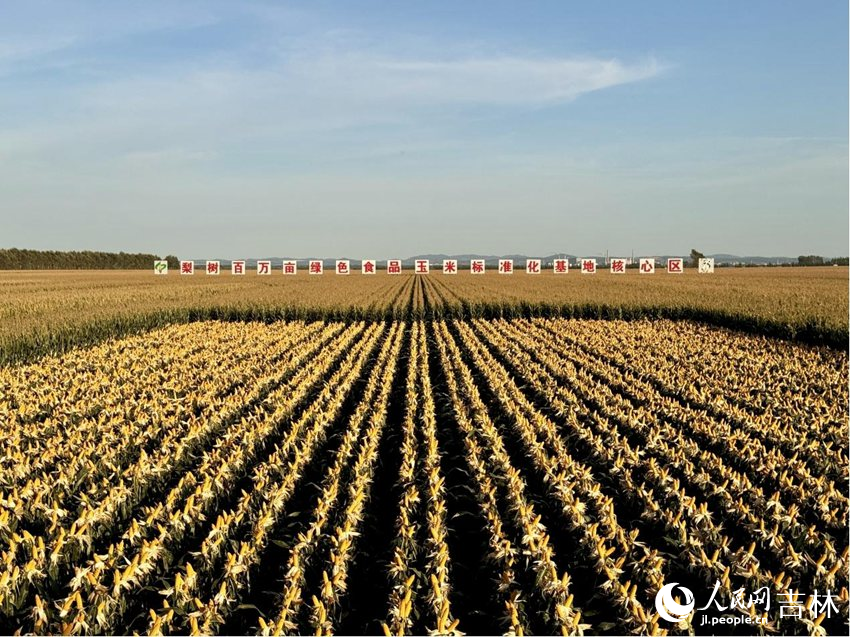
(284, 477)
(56, 432)
(102, 585)
(684, 519)
(274, 494)
(586, 510)
(402, 577)
(325, 605)
(99, 518)
(440, 620)
(30, 560)
(706, 471)
(307, 540)
(230, 523)
(665, 502)
(29, 403)
(503, 553)
(756, 437)
(95, 443)
(728, 376)
(554, 589)
(745, 564)
(247, 513)
(215, 382)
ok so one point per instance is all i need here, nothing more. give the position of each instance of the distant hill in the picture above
(733, 259)
(492, 259)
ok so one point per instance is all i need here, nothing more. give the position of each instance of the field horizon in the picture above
(50, 311)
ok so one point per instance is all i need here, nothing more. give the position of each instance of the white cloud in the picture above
(502, 80)
(15, 49)
(214, 104)
(320, 82)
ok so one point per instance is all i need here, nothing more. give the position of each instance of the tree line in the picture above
(16, 259)
(814, 259)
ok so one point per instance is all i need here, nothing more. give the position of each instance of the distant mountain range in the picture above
(492, 259)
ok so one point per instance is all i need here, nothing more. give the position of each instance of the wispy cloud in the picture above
(501, 80)
(201, 106)
(30, 53)
(321, 81)
(15, 49)
(69, 35)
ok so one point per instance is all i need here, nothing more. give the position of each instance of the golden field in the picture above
(476, 476)
(50, 311)
(421, 454)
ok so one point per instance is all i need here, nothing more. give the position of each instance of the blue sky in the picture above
(377, 129)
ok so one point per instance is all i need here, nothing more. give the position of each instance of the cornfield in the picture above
(443, 470)
(49, 312)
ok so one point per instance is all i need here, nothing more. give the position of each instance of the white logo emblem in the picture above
(669, 608)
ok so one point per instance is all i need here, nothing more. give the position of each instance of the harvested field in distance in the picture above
(478, 476)
(51, 311)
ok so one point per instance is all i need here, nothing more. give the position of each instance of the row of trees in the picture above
(15, 259)
(814, 259)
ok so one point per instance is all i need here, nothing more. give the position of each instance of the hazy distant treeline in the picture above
(15, 259)
(814, 259)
